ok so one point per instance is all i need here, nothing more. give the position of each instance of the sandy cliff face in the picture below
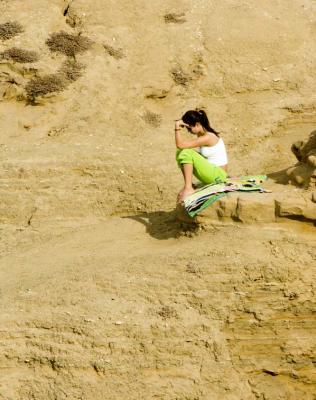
(95, 306)
(105, 140)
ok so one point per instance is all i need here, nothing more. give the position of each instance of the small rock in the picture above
(310, 211)
(311, 159)
(192, 268)
(88, 320)
(290, 207)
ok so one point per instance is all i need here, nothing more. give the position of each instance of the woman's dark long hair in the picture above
(191, 117)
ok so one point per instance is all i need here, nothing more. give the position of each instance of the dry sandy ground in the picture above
(127, 308)
(104, 295)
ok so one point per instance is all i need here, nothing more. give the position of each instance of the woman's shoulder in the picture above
(214, 139)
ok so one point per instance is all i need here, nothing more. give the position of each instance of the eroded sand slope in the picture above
(102, 294)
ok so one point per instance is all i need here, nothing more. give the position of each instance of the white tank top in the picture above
(216, 154)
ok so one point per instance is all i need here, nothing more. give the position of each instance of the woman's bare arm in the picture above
(190, 144)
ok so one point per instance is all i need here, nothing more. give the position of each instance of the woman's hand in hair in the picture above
(179, 124)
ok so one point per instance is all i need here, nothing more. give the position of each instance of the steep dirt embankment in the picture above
(102, 296)
(102, 135)
(123, 309)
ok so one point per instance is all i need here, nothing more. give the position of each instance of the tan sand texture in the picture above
(104, 293)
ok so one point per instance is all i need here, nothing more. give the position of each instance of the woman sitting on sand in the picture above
(209, 163)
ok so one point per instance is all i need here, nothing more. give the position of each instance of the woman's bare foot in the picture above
(185, 192)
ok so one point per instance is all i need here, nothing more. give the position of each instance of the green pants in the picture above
(203, 170)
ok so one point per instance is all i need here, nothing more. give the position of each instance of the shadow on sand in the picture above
(280, 177)
(162, 225)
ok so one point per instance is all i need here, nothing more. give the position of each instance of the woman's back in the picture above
(215, 154)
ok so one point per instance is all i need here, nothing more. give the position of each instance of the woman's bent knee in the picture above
(184, 156)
